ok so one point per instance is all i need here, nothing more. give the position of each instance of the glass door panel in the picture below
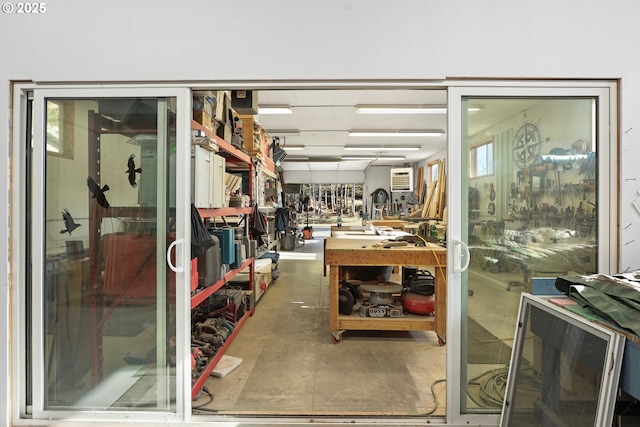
(106, 307)
(530, 196)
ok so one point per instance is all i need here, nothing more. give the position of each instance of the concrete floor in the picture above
(290, 365)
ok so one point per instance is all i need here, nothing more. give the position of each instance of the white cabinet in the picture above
(207, 178)
(201, 174)
(218, 188)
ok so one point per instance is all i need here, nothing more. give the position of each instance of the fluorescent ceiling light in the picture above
(297, 158)
(364, 158)
(293, 147)
(406, 109)
(403, 133)
(283, 132)
(370, 148)
(274, 109)
(401, 109)
(320, 145)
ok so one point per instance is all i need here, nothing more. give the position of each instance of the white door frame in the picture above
(456, 89)
(606, 93)
(39, 95)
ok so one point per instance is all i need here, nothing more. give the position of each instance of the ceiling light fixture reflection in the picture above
(293, 147)
(371, 148)
(401, 109)
(398, 133)
(283, 132)
(274, 109)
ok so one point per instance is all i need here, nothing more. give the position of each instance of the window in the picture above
(481, 160)
(60, 132)
(433, 171)
(567, 374)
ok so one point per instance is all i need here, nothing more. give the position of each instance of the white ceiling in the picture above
(324, 118)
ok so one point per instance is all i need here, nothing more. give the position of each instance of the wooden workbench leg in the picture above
(441, 304)
(334, 299)
(324, 263)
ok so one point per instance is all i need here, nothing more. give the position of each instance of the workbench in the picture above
(354, 251)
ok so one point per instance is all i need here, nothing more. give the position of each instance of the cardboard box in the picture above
(224, 131)
(223, 106)
(254, 135)
(206, 142)
(205, 100)
(204, 119)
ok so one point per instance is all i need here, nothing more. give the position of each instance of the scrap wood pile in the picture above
(431, 200)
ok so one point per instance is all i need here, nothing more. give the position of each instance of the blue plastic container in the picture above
(227, 243)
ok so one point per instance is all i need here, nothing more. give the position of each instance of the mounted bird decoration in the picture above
(132, 170)
(98, 193)
(69, 223)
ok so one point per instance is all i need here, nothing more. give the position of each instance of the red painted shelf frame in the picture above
(199, 297)
(202, 379)
(233, 155)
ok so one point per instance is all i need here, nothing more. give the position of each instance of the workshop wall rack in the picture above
(235, 160)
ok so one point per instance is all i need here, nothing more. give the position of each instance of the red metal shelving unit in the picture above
(202, 379)
(97, 317)
(199, 297)
(237, 157)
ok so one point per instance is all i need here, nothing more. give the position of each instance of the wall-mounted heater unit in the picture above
(401, 179)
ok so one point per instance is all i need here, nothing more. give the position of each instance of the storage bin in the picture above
(288, 242)
(209, 265)
(237, 260)
(227, 243)
(263, 265)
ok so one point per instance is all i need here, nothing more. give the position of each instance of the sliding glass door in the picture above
(533, 171)
(107, 230)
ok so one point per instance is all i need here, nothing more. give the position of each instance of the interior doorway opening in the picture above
(290, 362)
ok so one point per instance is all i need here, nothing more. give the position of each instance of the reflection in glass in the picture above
(565, 370)
(60, 136)
(563, 381)
(530, 212)
(109, 299)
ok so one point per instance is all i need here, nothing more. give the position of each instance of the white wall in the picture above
(200, 40)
